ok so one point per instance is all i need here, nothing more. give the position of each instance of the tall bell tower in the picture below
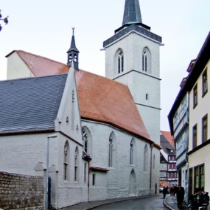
(133, 58)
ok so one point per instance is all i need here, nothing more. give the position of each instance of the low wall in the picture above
(21, 192)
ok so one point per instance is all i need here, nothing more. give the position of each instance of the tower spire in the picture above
(73, 53)
(132, 13)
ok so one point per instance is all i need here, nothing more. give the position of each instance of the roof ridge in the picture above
(40, 56)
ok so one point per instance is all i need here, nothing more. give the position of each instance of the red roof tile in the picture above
(108, 101)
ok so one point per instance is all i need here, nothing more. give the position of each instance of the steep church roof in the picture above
(105, 100)
(100, 99)
(30, 104)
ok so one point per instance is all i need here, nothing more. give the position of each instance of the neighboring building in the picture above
(104, 143)
(168, 171)
(188, 121)
(199, 135)
(179, 125)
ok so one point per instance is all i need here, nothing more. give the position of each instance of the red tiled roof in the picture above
(100, 98)
(105, 100)
(168, 136)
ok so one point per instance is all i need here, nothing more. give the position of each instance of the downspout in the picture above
(88, 179)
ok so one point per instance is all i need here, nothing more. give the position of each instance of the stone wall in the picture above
(21, 191)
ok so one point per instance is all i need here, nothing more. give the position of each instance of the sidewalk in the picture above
(170, 202)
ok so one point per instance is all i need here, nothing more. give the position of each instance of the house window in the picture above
(66, 160)
(120, 61)
(194, 136)
(110, 151)
(146, 60)
(94, 179)
(204, 128)
(131, 152)
(195, 96)
(76, 164)
(199, 178)
(204, 82)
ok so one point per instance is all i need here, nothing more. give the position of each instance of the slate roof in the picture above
(166, 145)
(30, 104)
(100, 99)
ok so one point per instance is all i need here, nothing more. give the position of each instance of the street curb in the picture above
(166, 205)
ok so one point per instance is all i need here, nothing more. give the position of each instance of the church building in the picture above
(98, 137)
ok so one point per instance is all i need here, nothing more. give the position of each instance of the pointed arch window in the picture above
(85, 140)
(131, 152)
(120, 61)
(146, 158)
(76, 161)
(146, 60)
(153, 161)
(66, 161)
(110, 151)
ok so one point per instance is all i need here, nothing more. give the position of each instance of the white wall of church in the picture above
(21, 153)
(16, 68)
(118, 177)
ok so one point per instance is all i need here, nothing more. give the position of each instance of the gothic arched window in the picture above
(110, 151)
(146, 158)
(66, 161)
(131, 152)
(120, 61)
(146, 60)
(76, 162)
(85, 139)
(153, 161)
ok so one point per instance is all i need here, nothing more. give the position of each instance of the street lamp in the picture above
(47, 169)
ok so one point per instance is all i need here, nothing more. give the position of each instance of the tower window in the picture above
(120, 61)
(146, 60)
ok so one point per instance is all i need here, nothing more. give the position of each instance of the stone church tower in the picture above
(132, 58)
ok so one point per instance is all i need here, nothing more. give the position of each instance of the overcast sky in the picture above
(43, 27)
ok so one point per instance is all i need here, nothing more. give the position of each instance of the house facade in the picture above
(188, 121)
(94, 130)
(199, 130)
